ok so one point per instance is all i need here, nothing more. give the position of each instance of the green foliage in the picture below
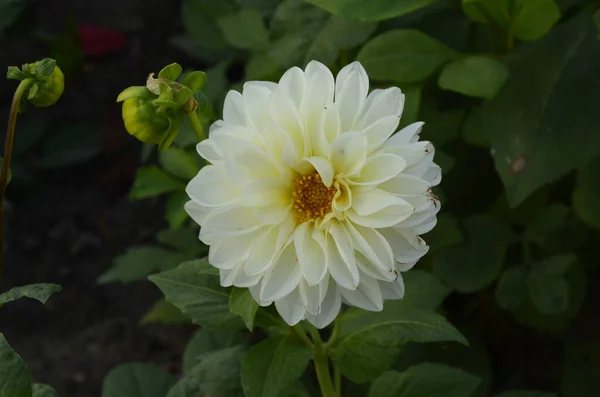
(272, 366)
(525, 393)
(162, 312)
(40, 390)
(243, 304)
(372, 10)
(194, 288)
(14, 375)
(206, 341)
(137, 380)
(371, 341)
(245, 29)
(40, 292)
(152, 181)
(425, 380)
(477, 76)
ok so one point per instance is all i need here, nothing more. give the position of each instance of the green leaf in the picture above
(182, 239)
(556, 229)
(425, 380)
(162, 312)
(445, 234)
(243, 304)
(138, 262)
(557, 265)
(200, 17)
(69, 145)
(525, 393)
(474, 265)
(137, 380)
(273, 365)
(179, 163)
(511, 290)
(581, 365)
(194, 80)
(535, 145)
(41, 390)
(245, 29)
(474, 130)
(152, 181)
(170, 72)
(260, 65)
(476, 75)
(195, 289)
(40, 292)
(216, 375)
(373, 10)
(337, 33)
(412, 104)
(586, 197)
(549, 294)
(14, 375)
(404, 56)
(371, 341)
(206, 341)
(423, 290)
(175, 213)
(525, 19)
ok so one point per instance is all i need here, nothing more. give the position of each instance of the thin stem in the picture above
(8, 144)
(197, 126)
(337, 378)
(510, 42)
(299, 332)
(321, 360)
(335, 334)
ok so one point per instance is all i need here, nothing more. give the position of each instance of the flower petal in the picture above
(340, 257)
(348, 153)
(406, 185)
(351, 88)
(220, 254)
(263, 252)
(237, 277)
(330, 308)
(392, 290)
(378, 169)
(291, 308)
(323, 167)
(234, 109)
(312, 296)
(311, 253)
(366, 296)
(405, 135)
(379, 131)
(377, 208)
(209, 151)
(231, 220)
(318, 95)
(381, 104)
(375, 248)
(255, 95)
(293, 84)
(213, 187)
(283, 277)
(406, 245)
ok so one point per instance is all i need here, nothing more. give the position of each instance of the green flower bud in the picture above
(153, 113)
(48, 81)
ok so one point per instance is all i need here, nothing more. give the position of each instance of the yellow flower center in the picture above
(312, 199)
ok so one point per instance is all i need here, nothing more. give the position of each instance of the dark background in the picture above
(69, 216)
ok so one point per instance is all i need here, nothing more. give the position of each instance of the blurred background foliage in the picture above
(510, 94)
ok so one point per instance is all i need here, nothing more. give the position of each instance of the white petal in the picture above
(405, 135)
(285, 113)
(433, 175)
(283, 277)
(380, 104)
(351, 87)
(426, 225)
(255, 292)
(196, 211)
(327, 130)
(263, 252)
(340, 257)
(348, 153)
(255, 95)
(367, 296)
(342, 200)
(406, 185)
(221, 255)
(265, 192)
(234, 109)
(378, 169)
(237, 277)
(311, 254)
(291, 308)
(231, 220)
(318, 95)
(293, 84)
(377, 208)
(378, 132)
(330, 308)
(375, 248)
(312, 296)
(323, 167)
(406, 245)
(209, 151)
(392, 290)
(213, 187)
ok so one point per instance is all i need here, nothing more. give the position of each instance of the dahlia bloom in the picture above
(310, 199)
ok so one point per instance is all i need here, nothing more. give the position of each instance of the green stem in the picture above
(299, 332)
(197, 126)
(510, 42)
(321, 360)
(337, 378)
(8, 145)
(335, 334)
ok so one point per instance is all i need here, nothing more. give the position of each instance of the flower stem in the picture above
(197, 126)
(8, 145)
(299, 332)
(321, 360)
(337, 378)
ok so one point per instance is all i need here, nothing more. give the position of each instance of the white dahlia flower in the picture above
(310, 199)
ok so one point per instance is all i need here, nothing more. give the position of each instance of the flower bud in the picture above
(48, 81)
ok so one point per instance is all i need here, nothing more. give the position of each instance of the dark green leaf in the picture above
(206, 341)
(535, 145)
(245, 29)
(441, 127)
(556, 229)
(162, 312)
(476, 75)
(374, 10)
(446, 234)
(423, 290)
(194, 80)
(371, 341)
(273, 365)
(216, 375)
(549, 294)
(138, 262)
(40, 390)
(183, 239)
(425, 380)
(511, 290)
(556, 265)
(475, 264)
(586, 198)
(195, 289)
(152, 181)
(137, 380)
(179, 163)
(243, 304)
(412, 104)
(69, 145)
(404, 56)
(199, 18)
(14, 375)
(525, 393)
(40, 292)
